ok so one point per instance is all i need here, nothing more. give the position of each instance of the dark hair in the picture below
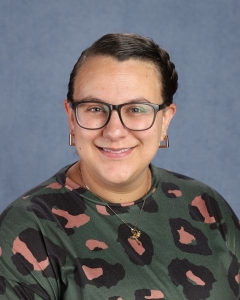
(124, 46)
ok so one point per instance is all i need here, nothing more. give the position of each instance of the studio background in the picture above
(40, 43)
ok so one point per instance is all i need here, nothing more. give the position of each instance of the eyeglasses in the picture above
(137, 116)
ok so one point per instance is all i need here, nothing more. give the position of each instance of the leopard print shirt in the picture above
(59, 241)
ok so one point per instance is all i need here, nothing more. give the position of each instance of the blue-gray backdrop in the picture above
(41, 40)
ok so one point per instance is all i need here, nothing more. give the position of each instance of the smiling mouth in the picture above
(116, 151)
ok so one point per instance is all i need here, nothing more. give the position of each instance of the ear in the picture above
(70, 115)
(168, 114)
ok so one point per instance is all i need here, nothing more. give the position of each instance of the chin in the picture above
(115, 177)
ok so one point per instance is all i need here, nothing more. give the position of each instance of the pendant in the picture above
(135, 234)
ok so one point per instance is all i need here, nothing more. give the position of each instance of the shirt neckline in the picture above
(75, 188)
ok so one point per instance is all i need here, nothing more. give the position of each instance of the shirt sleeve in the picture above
(229, 225)
(232, 229)
(19, 290)
(26, 269)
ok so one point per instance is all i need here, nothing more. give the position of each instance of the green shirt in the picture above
(59, 241)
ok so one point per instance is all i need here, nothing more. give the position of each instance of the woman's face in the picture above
(115, 155)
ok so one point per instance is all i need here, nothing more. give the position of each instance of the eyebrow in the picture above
(89, 99)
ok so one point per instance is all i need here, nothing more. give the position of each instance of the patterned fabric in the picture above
(59, 241)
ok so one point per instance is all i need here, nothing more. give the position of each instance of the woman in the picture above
(113, 226)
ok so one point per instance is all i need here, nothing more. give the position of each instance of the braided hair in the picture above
(124, 46)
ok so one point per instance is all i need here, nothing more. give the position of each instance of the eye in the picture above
(136, 109)
(96, 108)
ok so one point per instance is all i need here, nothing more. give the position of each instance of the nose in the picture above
(114, 128)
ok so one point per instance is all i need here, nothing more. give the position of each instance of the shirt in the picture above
(60, 241)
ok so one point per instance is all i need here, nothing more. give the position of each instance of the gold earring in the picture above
(71, 138)
(165, 142)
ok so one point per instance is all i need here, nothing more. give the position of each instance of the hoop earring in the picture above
(71, 138)
(165, 142)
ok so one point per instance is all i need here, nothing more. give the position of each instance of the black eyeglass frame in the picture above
(156, 107)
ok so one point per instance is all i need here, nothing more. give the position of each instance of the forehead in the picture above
(105, 77)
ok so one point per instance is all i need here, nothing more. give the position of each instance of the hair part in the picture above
(125, 46)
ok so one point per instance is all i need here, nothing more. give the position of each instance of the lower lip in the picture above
(116, 154)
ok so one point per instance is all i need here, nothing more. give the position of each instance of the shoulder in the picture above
(203, 202)
(31, 216)
(36, 198)
(170, 180)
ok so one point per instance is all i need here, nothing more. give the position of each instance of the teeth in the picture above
(118, 151)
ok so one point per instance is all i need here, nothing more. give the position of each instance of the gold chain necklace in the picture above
(135, 233)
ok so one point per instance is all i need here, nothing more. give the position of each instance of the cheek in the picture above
(150, 146)
(85, 134)
(157, 129)
(151, 137)
(85, 138)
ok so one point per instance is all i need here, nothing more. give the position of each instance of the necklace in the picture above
(135, 234)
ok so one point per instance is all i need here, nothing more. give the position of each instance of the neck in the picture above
(120, 193)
